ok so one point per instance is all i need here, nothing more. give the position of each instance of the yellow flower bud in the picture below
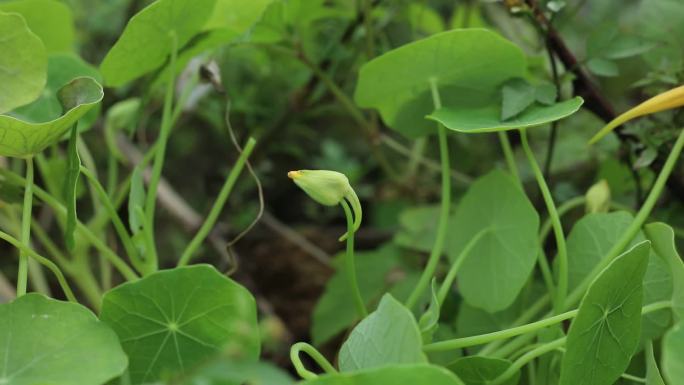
(598, 197)
(328, 188)
(667, 100)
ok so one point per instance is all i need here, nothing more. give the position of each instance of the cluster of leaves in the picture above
(608, 309)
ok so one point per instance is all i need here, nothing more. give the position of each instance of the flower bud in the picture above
(598, 197)
(328, 188)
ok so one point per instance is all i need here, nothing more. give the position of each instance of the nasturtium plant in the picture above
(172, 320)
(477, 370)
(50, 20)
(23, 63)
(21, 138)
(396, 374)
(49, 341)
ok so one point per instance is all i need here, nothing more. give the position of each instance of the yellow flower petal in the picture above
(667, 100)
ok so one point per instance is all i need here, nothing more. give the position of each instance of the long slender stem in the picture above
(453, 270)
(508, 154)
(643, 214)
(562, 287)
(27, 251)
(216, 208)
(60, 210)
(22, 275)
(501, 334)
(444, 212)
(350, 264)
(164, 133)
(527, 357)
(120, 228)
(314, 354)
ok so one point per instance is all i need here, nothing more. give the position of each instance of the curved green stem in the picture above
(26, 251)
(314, 354)
(527, 357)
(453, 270)
(22, 275)
(641, 216)
(444, 211)
(501, 334)
(350, 265)
(508, 154)
(216, 208)
(164, 133)
(126, 240)
(562, 287)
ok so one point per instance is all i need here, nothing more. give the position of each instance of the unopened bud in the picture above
(598, 197)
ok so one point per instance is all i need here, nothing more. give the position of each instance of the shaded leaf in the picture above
(653, 376)
(23, 62)
(545, 93)
(20, 139)
(516, 96)
(49, 341)
(389, 335)
(605, 333)
(603, 67)
(230, 372)
(69, 188)
(477, 370)
(673, 351)
(172, 320)
(395, 375)
(500, 263)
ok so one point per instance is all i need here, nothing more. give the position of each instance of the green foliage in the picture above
(23, 139)
(605, 333)
(172, 320)
(49, 341)
(398, 83)
(23, 63)
(151, 35)
(476, 370)
(396, 374)
(390, 335)
(50, 20)
(497, 206)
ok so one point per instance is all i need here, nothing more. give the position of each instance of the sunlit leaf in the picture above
(172, 320)
(19, 138)
(23, 62)
(51, 20)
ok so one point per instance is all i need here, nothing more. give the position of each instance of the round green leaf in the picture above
(170, 321)
(146, 42)
(391, 375)
(20, 139)
(605, 334)
(500, 263)
(477, 116)
(62, 68)
(389, 335)
(466, 65)
(49, 19)
(478, 370)
(45, 341)
(673, 351)
(23, 63)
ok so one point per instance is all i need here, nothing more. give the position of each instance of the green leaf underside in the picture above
(476, 370)
(590, 240)
(334, 311)
(49, 341)
(605, 334)
(146, 42)
(172, 320)
(500, 263)
(483, 115)
(673, 349)
(20, 139)
(23, 63)
(465, 64)
(50, 20)
(394, 375)
(389, 335)
(62, 68)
